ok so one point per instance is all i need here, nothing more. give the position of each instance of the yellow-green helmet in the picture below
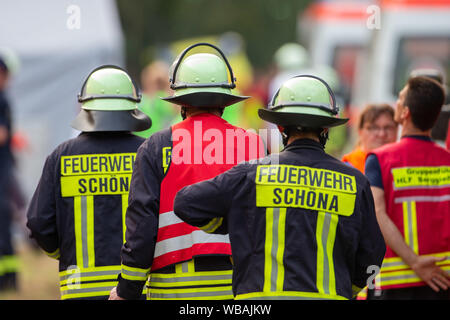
(303, 101)
(201, 80)
(109, 99)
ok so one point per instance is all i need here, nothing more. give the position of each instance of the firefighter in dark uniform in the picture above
(183, 262)
(77, 213)
(302, 224)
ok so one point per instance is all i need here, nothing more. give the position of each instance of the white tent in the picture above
(58, 42)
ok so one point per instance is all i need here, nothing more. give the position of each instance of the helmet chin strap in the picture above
(323, 137)
(183, 112)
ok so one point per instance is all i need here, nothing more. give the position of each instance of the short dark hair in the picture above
(373, 111)
(424, 98)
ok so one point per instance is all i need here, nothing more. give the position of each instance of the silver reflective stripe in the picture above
(410, 224)
(81, 275)
(185, 266)
(326, 270)
(423, 199)
(134, 273)
(394, 264)
(86, 290)
(187, 241)
(156, 279)
(273, 253)
(399, 277)
(84, 237)
(167, 219)
(185, 295)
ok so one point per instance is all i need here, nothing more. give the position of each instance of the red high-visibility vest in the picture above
(204, 146)
(416, 181)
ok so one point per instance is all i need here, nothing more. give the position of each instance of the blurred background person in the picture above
(439, 133)
(154, 86)
(8, 261)
(376, 127)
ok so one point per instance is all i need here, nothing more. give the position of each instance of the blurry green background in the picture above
(264, 24)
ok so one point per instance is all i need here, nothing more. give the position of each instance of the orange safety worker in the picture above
(376, 128)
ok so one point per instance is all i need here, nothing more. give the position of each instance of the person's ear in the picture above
(406, 112)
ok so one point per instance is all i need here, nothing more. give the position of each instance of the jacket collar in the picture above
(304, 143)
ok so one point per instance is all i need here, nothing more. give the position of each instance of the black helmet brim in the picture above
(205, 99)
(286, 119)
(94, 121)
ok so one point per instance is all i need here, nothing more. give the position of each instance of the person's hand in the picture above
(427, 269)
(113, 295)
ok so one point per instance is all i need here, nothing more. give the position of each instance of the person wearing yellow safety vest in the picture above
(180, 261)
(410, 181)
(77, 213)
(302, 224)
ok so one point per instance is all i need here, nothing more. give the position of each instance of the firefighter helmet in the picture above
(291, 56)
(303, 101)
(201, 80)
(109, 99)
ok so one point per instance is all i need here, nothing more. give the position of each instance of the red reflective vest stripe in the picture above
(416, 180)
(204, 146)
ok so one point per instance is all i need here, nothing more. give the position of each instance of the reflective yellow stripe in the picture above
(84, 230)
(287, 295)
(213, 225)
(55, 254)
(280, 249)
(74, 274)
(82, 290)
(90, 230)
(268, 250)
(208, 293)
(181, 279)
(185, 267)
(77, 224)
(132, 273)
(274, 249)
(410, 225)
(325, 238)
(404, 276)
(84, 270)
(124, 212)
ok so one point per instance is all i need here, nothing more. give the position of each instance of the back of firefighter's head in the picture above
(109, 99)
(419, 103)
(202, 80)
(303, 106)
